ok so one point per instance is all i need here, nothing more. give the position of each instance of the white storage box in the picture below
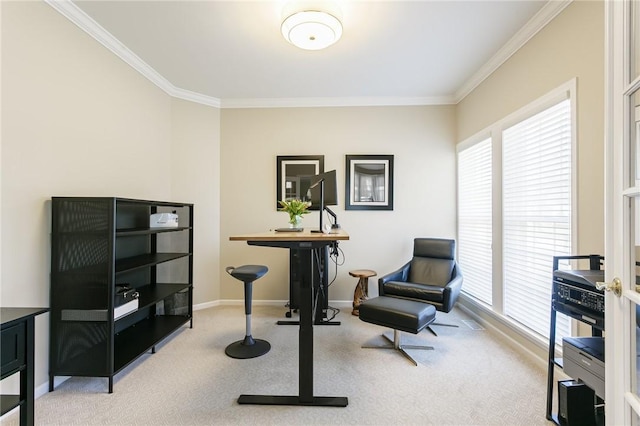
(163, 220)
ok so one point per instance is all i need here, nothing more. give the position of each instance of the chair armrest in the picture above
(452, 290)
(399, 275)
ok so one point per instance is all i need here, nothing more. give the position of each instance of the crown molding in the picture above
(545, 15)
(196, 97)
(334, 102)
(76, 15)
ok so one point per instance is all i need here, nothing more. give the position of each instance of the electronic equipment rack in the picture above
(575, 295)
(97, 244)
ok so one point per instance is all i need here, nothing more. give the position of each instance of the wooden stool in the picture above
(361, 292)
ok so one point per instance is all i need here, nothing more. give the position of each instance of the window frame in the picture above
(568, 90)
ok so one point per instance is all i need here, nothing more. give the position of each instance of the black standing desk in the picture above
(17, 344)
(307, 243)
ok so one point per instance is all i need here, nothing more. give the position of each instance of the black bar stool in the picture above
(248, 347)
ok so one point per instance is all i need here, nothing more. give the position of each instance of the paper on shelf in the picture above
(163, 220)
(124, 309)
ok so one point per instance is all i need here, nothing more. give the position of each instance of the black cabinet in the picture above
(99, 244)
(17, 350)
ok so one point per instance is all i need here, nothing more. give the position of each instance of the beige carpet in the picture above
(471, 378)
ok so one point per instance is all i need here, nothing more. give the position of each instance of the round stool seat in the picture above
(362, 273)
(247, 273)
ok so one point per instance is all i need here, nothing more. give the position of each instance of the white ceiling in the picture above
(392, 52)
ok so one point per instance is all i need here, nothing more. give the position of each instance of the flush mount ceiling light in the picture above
(312, 29)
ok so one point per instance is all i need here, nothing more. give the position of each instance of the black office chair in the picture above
(248, 347)
(432, 276)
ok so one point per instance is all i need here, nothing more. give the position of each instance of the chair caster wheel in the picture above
(288, 315)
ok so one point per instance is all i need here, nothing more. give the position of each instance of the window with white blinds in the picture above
(536, 216)
(475, 219)
(534, 184)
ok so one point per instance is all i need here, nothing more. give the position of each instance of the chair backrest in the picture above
(433, 261)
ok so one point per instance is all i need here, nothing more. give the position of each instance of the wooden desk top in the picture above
(305, 235)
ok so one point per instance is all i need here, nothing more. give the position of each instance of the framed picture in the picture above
(294, 175)
(369, 182)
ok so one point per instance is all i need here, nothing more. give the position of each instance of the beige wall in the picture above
(420, 138)
(195, 178)
(78, 121)
(571, 46)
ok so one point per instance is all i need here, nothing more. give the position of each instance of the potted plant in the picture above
(295, 208)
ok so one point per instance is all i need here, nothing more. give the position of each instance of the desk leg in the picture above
(305, 333)
(305, 354)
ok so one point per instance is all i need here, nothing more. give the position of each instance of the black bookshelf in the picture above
(98, 243)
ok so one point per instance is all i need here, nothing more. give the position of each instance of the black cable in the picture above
(334, 255)
(318, 262)
(315, 307)
(315, 254)
(335, 312)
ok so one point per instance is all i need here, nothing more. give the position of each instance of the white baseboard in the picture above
(206, 305)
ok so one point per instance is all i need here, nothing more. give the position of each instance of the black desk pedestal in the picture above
(308, 281)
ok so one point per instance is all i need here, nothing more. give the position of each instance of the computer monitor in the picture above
(324, 192)
(330, 190)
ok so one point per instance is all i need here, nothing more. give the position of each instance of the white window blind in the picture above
(536, 213)
(475, 220)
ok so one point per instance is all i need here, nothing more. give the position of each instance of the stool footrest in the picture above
(400, 314)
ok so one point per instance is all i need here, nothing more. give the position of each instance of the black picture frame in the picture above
(369, 182)
(294, 174)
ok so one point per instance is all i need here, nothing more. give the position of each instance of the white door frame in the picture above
(622, 403)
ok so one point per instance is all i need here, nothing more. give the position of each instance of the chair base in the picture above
(440, 324)
(248, 348)
(395, 344)
(445, 325)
